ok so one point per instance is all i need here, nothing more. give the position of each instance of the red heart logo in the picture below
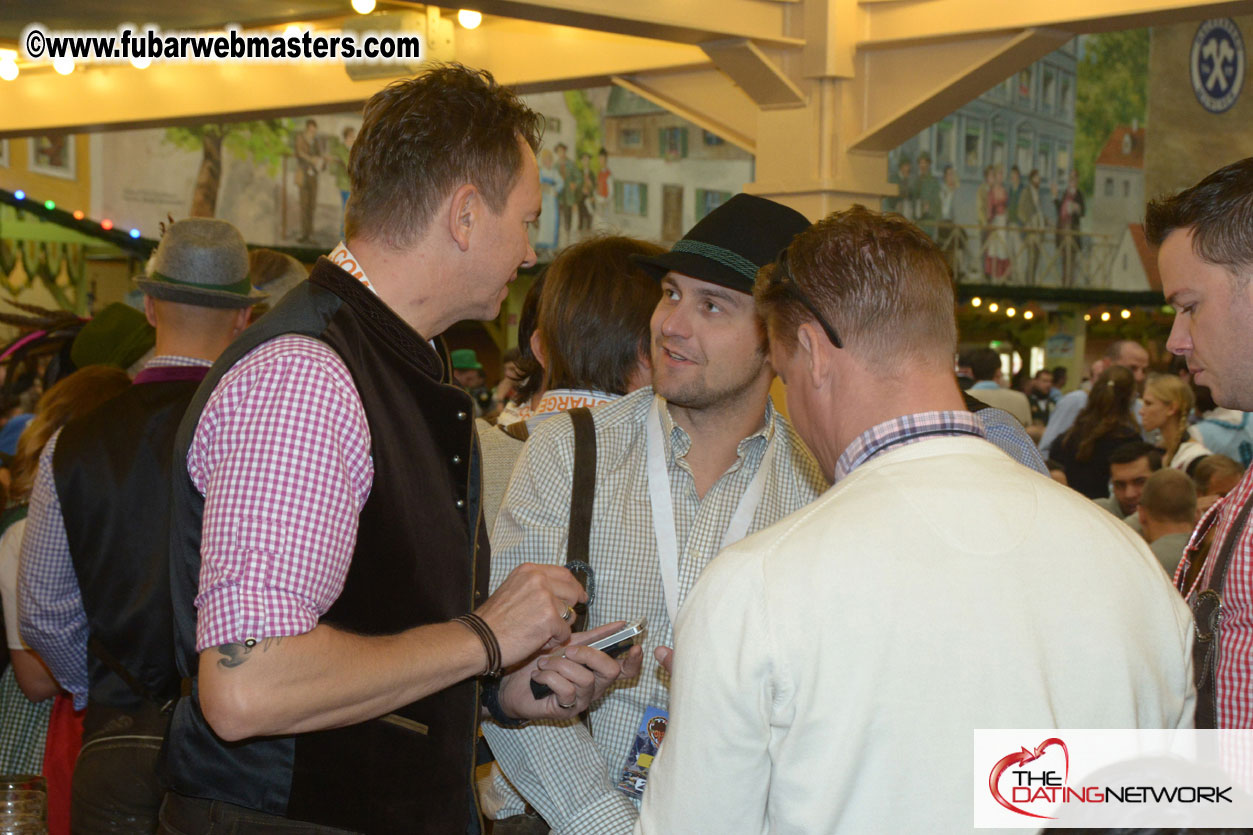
(1023, 757)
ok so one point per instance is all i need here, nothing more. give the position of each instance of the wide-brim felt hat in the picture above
(201, 261)
(731, 243)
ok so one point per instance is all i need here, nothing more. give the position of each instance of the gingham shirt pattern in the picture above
(1004, 430)
(902, 431)
(567, 774)
(1234, 677)
(24, 728)
(282, 456)
(50, 605)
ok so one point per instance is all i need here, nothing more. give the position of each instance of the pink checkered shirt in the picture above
(282, 457)
(1235, 660)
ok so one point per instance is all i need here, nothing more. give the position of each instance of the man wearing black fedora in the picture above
(682, 469)
(328, 559)
(97, 592)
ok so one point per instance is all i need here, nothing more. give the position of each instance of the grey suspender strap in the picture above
(1207, 612)
(582, 494)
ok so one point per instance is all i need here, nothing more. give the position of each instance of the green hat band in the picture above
(240, 288)
(725, 257)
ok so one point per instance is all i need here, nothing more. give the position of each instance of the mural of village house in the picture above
(610, 162)
(1040, 181)
(614, 162)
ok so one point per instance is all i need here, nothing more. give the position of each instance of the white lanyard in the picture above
(663, 508)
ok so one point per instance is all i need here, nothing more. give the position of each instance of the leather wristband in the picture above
(489, 696)
(479, 627)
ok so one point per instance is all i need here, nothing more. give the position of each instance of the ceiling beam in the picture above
(757, 75)
(957, 72)
(683, 22)
(705, 97)
(117, 97)
(887, 24)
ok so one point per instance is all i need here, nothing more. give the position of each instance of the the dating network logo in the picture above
(1037, 779)
(1026, 785)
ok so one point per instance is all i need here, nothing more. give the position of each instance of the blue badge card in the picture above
(648, 737)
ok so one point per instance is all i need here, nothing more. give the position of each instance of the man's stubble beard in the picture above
(695, 395)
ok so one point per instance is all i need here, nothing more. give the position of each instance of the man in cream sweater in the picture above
(837, 657)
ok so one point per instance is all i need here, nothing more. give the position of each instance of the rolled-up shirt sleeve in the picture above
(50, 605)
(282, 456)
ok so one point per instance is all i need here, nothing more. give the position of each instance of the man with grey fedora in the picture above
(682, 469)
(94, 570)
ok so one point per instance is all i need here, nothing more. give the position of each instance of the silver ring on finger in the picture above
(566, 707)
(567, 614)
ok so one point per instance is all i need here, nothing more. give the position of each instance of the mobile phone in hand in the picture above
(612, 645)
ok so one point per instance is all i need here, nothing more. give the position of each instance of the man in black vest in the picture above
(329, 565)
(99, 531)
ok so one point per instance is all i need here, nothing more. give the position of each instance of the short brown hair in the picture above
(879, 281)
(421, 138)
(1170, 496)
(1218, 210)
(594, 313)
(72, 397)
(1214, 465)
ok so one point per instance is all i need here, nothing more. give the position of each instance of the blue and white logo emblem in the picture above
(1217, 64)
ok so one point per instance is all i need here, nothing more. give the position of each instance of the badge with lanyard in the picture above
(663, 508)
(652, 727)
(648, 737)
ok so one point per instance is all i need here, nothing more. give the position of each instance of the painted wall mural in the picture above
(282, 181)
(1042, 180)
(610, 161)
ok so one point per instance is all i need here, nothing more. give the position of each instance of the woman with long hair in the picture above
(1168, 402)
(1105, 424)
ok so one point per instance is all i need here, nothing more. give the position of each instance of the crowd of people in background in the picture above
(1125, 421)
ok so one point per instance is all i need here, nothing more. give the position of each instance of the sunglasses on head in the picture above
(782, 275)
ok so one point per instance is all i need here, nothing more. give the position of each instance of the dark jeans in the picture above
(116, 785)
(182, 815)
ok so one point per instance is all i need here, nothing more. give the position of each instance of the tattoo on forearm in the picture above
(235, 654)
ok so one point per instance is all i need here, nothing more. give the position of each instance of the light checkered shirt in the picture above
(907, 429)
(1234, 677)
(567, 774)
(53, 621)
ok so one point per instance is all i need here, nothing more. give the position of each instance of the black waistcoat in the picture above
(112, 473)
(421, 557)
